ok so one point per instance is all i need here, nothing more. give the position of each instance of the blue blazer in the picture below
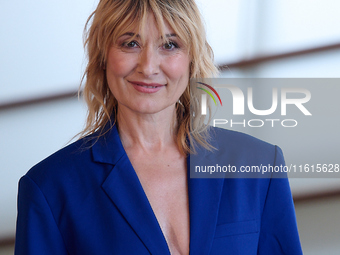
(87, 199)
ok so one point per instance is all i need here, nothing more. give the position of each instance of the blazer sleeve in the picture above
(279, 233)
(37, 231)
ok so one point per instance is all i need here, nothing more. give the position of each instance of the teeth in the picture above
(149, 87)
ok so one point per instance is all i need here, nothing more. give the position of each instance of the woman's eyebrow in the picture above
(130, 34)
(138, 36)
(171, 35)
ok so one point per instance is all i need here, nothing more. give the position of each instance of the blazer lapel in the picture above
(204, 201)
(125, 191)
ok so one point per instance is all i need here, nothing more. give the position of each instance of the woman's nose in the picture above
(149, 62)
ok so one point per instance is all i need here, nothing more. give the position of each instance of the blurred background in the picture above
(42, 60)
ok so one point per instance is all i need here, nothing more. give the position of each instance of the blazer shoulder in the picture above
(69, 161)
(245, 149)
(237, 140)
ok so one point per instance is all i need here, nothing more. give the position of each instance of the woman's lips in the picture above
(147, 87)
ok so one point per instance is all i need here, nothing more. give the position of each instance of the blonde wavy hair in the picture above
(111, 19)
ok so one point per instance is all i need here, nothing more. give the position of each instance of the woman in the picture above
(124, 187)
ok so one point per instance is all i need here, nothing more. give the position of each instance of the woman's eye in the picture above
(170, 45)
(131, 44)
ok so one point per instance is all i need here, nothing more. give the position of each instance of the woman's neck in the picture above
(150, 132)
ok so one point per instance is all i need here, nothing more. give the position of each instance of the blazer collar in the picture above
(125, 191)
(108, 148)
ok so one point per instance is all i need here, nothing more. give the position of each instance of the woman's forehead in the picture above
(144, 27)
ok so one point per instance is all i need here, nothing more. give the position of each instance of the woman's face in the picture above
(148, 77)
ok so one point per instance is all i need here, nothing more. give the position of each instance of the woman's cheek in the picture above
(120, 63)
(177, 66)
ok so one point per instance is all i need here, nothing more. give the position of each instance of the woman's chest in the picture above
(166, 188)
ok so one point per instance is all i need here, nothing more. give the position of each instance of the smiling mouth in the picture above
(147, 85)
(148, 88)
